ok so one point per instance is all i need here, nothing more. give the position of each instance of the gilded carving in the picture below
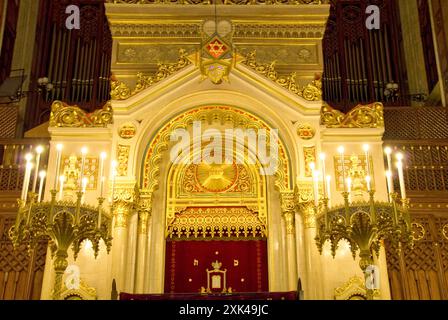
(124, 200)
(306, 131)
(309, 154)
(71, 169)
(292, 55)
(311, 92)
(224, 114)
(123, 158)
(288, 205)
(216, 222)
(362, 116)
(121, 91)
(64, 115)
(355, 168)
(127, 131)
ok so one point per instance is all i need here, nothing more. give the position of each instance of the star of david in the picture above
(216, 48)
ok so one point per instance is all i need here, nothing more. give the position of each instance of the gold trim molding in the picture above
(67, 116)
(362, 116)
(311, 92)
(121, 91)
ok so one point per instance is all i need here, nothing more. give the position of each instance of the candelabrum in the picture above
(364, 225)
(66, 224)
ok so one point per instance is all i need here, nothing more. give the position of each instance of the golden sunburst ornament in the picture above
(216, 177)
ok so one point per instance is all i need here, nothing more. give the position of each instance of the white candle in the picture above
(368, 182)
(39, 151)
(58, 164)
(27, 176)
(85, 181)
(83, 163)
(103, 157)
(401, 175)
(322, 157)
(388, 152)
(42, 175)
(366, 149)
(341, 153)
(390, 187)
(328, 178)
(61, 187)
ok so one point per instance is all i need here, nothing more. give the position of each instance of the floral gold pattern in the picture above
(362, 116)
(216, 222)
(64, 115)
(311, 92)
(120, 91)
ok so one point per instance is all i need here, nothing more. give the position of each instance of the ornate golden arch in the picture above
(233, 204)
(240, 119)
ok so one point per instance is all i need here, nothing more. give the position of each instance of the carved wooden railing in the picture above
(421, 135)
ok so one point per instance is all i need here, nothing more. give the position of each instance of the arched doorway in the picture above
(227, 214)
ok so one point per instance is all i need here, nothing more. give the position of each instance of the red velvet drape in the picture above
(186, 263)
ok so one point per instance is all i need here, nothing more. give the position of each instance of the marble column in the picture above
(142, 239)
(314, 283)
(288, 210)
(119, 246)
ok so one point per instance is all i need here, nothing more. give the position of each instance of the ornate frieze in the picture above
(120, 91)
(216, 222)
(362, 116)
(123, 159)
(311, 92)
(64, 115)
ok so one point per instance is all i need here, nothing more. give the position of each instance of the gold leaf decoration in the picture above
(120, 91)
(311, 92)
(64, 115)
(362, 116)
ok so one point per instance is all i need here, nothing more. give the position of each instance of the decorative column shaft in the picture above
(142, 239)
(123, 205)
(288, 210)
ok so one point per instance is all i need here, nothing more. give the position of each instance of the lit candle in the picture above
(26, 179)
(61, 187)
(322, 157)
(83, 163)
(42, 175)
(341, 151)
(103, 157)
(388, 152)
(328, 178)
(39, 151)
(58, 164)
(366, 149)
(349, 186)
(368, 182)
(401, 175)
(390, 185)
(85, 181)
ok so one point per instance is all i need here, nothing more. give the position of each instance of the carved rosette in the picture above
(288, 205)
(66, 116)
(362, 116)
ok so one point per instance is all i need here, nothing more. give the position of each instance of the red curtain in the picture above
(186, 263)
